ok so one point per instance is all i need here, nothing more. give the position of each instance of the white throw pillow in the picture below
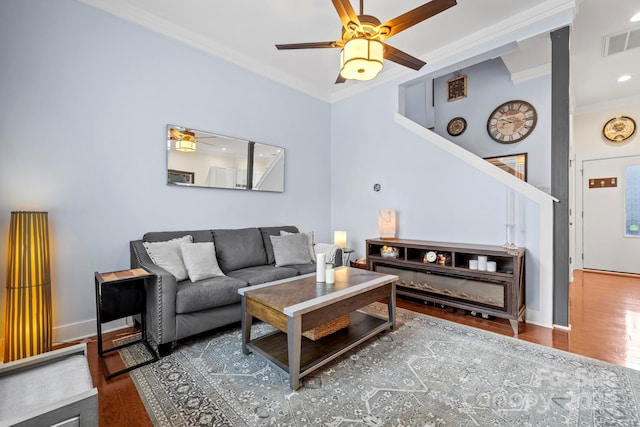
(200, 260)
(309, 234)
(169, 256)
(290, 249)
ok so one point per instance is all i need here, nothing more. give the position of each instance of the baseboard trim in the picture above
(86, 329)
(562, 327)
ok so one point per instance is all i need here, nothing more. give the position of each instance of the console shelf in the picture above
(448, 280)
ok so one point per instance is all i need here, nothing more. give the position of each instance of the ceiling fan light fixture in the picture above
(186, 142)
(361, 59)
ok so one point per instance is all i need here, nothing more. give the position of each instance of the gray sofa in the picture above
(179, 309)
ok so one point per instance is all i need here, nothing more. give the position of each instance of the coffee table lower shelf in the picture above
(314, 354)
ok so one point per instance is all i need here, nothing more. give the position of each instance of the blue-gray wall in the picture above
(489, 85)
(436, 195)
(84, 103)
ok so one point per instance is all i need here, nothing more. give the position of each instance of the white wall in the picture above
(589, 144)
(85, 99)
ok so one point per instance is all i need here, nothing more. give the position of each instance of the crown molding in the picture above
(531, 73)
(543, 18)
(631, 101)
(121, 9)
(547, 16)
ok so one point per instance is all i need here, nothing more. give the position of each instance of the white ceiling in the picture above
(594, 77)
(245, 32)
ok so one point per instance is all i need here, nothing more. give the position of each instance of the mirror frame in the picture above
(257, 172)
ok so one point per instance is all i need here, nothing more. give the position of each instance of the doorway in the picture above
(611, 214)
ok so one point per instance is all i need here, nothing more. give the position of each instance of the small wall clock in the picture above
(457, 88)
(619, 128)
(456, 126)
(512, 121)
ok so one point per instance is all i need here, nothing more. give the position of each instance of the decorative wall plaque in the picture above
(457, 88)
(619, 129)
(603, 182)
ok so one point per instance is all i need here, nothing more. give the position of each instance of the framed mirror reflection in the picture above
(198, 158)
(515, 164)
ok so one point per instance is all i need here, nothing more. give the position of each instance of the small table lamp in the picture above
(340, 238)
(28, 319)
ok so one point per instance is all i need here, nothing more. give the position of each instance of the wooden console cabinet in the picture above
(450, 281)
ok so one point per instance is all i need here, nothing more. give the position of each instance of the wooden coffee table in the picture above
(298, 304)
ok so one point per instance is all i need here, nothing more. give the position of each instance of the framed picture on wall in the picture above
(515, 164)
(456, 88)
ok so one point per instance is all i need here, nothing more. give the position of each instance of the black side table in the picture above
(120, 294)
(346, 254)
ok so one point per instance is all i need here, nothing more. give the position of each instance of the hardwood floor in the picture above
(604, 317)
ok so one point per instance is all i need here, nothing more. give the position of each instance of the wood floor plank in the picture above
(604, 312)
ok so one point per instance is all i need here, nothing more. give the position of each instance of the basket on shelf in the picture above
(389, 252)
(327, 328)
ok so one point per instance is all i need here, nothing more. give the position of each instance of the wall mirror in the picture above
(515, 164)
(202, 159)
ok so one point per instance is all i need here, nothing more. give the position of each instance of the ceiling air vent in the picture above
(616, 43)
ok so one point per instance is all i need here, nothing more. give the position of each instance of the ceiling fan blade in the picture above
(340, 79)
(402, 58)
(415, 16)
(346, 13)
(312, 45)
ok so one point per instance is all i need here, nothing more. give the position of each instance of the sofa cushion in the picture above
(163, 236)
(263, 274)
(239, 248)
(200, 260)
(274, 231)
(207, 293)
(290, 249)
(169, 256)
(303, 268)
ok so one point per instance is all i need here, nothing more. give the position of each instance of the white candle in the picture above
(482, 263)
(321, 269)
(331, 274)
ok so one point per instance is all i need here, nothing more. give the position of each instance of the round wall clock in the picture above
(619, 128)
(512, 121)
(456, 126)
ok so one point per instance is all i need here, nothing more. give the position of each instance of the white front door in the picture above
(611, 214)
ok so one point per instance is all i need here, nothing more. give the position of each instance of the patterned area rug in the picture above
(428, 372)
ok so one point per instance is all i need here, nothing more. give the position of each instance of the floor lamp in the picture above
(27, 329)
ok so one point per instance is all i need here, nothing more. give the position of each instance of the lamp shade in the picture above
(340, 238)
(361, 59)
(387, 223)
(186, 141)
(28, 299)
(185, 145)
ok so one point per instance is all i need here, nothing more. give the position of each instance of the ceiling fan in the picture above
(363, 35)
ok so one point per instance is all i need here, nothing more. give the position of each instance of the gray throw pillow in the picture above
(290, 250)
(309, 234)
(169, 256)
(200, 260)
